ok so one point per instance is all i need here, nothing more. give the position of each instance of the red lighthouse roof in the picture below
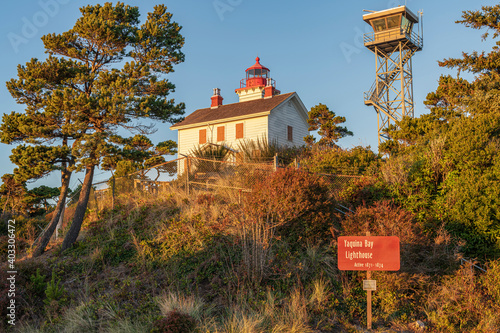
(257, 65)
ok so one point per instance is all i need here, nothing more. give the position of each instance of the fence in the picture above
(224, 175)
(200, 174)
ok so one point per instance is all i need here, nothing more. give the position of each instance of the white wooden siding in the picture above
(273, 127)
(253, 128)
(287, 114)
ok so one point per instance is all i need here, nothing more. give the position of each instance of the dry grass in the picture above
(320, 293)
(463, 302)
(256, 236)
(241, 323)
(190, 305)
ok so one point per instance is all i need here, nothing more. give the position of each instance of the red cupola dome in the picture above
(257, 75)
(257, 83)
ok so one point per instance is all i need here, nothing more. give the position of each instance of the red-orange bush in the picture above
(295, 201)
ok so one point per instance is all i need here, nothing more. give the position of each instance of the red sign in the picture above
(368, 253)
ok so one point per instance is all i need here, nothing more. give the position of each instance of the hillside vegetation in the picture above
(266, 260)
(212, 262)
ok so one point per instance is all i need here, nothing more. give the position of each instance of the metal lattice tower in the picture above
(394, 43)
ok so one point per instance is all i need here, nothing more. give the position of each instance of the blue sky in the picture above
(313, 48)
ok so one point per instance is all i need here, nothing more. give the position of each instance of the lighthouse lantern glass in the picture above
(257, 72)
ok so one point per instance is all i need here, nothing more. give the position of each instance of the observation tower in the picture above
(394, 42)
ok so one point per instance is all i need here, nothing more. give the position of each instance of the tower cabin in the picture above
(390, 27)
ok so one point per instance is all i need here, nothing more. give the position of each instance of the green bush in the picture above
(38, 284)
(55, 291)
(356, 161)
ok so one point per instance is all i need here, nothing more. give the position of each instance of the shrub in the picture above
(364, 190)
(175, 322)
(38, 283)
(356, 161)
(463, 303)
(55, 292)
(294, 201)
(420, 253)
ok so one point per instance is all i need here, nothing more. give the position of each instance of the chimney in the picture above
(216, 99)
(269, 89)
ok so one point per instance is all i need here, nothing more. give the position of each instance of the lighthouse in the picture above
(262, 113)
(257, 84)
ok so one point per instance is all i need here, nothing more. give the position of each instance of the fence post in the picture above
(187, 174)
(113, 191)
(275, 162)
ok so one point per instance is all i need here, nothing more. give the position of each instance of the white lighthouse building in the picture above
(261, 112)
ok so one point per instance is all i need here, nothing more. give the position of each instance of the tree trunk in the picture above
(45, 237)
(80, 210)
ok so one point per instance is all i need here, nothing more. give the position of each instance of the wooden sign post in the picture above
(368, 253)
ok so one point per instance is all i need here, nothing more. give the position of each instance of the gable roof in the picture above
(239, 110)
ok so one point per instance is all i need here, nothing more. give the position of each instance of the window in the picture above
(393, 21)
(406, 25)
(379, 25)
(220, 133)
(239, 131)
(203, 136)
(290, 133)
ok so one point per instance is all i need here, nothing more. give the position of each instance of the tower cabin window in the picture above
(257, 72)
(379, 25)
(406, 25)
(387, 23)
(393, 22)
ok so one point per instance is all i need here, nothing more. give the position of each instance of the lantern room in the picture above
(391, 26)
(257, 75)
(257, 83)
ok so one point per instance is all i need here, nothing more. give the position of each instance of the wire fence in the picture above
(209, 174)
(191, 174)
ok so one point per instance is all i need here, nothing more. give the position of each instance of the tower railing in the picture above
(243, 83)
(394, 34)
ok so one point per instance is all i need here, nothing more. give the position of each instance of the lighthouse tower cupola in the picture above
(257, 83)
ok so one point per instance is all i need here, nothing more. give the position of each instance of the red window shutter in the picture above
(239, 131)
(203, 136)
(290, 133)
(220, 133)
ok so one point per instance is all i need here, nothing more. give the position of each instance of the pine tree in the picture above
(105, 74)
(327, 124)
